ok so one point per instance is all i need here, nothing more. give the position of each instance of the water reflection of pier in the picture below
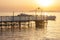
(12, 21)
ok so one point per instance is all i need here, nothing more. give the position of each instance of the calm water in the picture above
(51, 32)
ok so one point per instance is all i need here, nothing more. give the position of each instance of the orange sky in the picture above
(26, 5)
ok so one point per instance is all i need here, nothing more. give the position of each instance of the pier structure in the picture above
(12, 21)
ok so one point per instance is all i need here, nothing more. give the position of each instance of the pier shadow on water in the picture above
(26, 32)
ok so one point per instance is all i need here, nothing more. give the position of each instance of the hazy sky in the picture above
(26, 5)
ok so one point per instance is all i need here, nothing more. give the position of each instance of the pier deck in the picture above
(25, 18)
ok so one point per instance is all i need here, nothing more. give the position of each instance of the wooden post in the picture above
(19, 25)
(28, 24)
(1, 23)
(12, 22)
(5, 25)
(12, 26)
(28, 21)
(40, 24)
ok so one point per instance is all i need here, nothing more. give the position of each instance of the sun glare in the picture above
(44, 3)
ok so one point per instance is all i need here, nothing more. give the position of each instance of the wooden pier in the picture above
(13, 21)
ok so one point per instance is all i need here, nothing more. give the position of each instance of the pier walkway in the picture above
(25, 18)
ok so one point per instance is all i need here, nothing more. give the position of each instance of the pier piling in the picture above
(19, 25)
(39, 24)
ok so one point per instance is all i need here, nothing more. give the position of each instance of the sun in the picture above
(45, 3)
